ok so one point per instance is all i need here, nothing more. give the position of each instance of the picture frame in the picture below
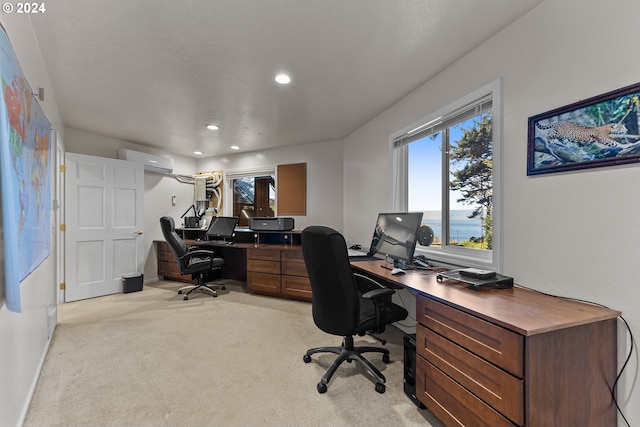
(595, 132)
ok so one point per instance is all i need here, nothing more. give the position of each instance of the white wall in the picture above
(572, 234)
(324, 176)
(24, 336)
(157, 189)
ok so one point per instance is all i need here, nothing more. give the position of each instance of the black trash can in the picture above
(132, 283)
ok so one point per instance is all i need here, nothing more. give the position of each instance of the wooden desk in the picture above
(269, 269)
(509, 356)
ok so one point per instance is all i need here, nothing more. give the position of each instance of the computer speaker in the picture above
(425, 235)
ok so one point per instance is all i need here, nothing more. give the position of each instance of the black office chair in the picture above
(344, 303)
(196, 262)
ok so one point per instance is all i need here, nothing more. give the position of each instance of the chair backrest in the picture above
(176, 244)
(335, 299)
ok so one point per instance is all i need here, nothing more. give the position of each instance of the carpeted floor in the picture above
(151, 359)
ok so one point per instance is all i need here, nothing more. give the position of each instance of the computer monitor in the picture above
(222, 227)
(395, 236)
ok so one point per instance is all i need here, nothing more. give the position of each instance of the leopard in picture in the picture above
(585, 134)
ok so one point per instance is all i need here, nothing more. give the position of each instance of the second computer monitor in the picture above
(222, 227)
(395, 235)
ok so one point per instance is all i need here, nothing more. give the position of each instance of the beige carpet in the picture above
(151, 359)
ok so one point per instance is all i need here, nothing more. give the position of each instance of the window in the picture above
(447, 166)
(254, 194)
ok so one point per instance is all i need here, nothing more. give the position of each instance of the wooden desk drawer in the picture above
(296, 286)
(264, 283)
(445, 397)
(294, 268)
(491, 342)
(163, 268)
(162, 249)
(265, 254)
(263, 266)
(292, 255)
(498, 388)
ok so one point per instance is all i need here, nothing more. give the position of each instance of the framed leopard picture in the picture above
(599, 131)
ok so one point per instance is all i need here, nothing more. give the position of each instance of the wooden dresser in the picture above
(477, 370)
(278, 270)
(509, 357)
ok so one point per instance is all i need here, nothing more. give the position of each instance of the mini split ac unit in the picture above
(151, 162)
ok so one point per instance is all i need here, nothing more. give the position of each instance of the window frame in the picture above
(232, 175)
(449, 254)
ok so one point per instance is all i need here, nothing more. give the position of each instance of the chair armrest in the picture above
(366, 283)
(378, 293)
(200, 259)
(199, 252)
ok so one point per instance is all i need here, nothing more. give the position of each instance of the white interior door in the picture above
(104, 224)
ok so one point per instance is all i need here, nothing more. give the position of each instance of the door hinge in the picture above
(63, 168)
(63, 286)
(63, 227)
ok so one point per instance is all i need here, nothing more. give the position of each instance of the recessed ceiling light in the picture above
(213, 127)
(197, 152)
(234, 147)
(283, 79)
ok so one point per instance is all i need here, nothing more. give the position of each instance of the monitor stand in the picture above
(398, 263)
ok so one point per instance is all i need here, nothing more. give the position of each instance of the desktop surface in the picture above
(521, 310)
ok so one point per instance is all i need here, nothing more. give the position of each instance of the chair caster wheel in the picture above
(186, 298)
(306, 358)
(385, 358)
(322, 388)
(223, 287)
(380, 388)
(179, 292)
(215, 295)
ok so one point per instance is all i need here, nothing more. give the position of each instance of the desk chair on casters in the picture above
(344, 303)
(196, 262)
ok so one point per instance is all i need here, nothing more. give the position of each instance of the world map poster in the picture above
(25, 172)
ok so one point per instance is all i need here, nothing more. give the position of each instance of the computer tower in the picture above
(410, 369)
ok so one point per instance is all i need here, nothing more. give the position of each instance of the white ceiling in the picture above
(155, 72)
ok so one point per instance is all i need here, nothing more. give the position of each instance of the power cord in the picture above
(409, 316)
(631, 348)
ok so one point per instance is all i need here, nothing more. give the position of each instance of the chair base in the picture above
(347, 352)
(203, 287)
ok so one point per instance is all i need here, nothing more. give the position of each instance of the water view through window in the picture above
(451, 169)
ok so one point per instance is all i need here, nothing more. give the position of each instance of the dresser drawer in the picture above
(445, 397)
(264, 283)
(491, 342)
(265, 254)
(292, 255)
(263, 266)
(496, 387)
(162, 249)
(295, 286)
(294, 268)
(163, 268)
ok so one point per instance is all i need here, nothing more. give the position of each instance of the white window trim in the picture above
(459, 256)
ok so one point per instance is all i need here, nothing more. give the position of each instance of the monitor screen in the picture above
(222, 226)
(395, 235)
